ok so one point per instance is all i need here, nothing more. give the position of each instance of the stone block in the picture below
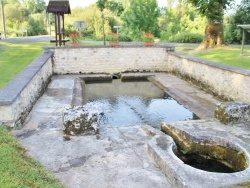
(233, 112)
(81, 120)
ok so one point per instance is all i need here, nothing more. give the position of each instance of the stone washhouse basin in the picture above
(235, 153)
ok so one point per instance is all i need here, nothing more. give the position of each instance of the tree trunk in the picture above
(213, 36)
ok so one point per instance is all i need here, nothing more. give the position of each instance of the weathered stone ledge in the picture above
(213, 64)
(226, 82)
(19, 95)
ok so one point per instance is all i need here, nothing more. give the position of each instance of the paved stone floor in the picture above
(117, 157)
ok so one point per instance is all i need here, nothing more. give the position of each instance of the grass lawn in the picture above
(15, 57)
(229, 55)
(18, 170)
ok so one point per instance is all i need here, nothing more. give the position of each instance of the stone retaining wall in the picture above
(19, 95)
(74, 60)
(222, 80)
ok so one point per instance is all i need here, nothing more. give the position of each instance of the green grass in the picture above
(19, 170)
(15, 57)
(229, 55)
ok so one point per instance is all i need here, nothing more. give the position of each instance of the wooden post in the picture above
(243, 41)
(59, 29)
(3, 19)
(56, 29)
(63, 26)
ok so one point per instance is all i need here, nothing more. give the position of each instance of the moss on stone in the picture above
(232, 158)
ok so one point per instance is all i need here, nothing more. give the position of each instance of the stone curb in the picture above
(160, 148)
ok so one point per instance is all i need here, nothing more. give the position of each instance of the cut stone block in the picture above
(233, 112)
(81, 120)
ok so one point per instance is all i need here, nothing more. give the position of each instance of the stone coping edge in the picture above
(122, 45)
(160, 150)
(212, 64)
(12, 90)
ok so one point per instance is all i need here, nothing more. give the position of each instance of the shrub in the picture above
(187, 38)
(125, 38)
(113, 37)
(148, 37)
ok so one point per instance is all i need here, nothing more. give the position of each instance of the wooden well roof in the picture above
(58, 6)
(245, 27)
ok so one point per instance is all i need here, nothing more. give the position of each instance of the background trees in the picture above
(21, 16)
(141, 16)
(241, 16)
(178, 22)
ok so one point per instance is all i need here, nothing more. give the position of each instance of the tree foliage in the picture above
(177, 22)
(35, 6)
(18, 13)
(212, 9)
(180, 19)
(242, 16)
(140, 16)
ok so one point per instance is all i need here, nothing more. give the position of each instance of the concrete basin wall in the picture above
(19, 95)
(75, 60)
(222, 80)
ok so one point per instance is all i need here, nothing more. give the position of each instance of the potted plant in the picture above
(75, 39)
(113, 39)
(148, 39)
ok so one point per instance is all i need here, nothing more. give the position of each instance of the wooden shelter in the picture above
(59, 8)
(245, 28)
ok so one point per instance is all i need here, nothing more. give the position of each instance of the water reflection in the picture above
(126, 103)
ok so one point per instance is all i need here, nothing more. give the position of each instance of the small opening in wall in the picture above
(116, 76)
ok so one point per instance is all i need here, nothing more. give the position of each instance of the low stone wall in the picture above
(75, 60)
(19, 95)
(225, 81)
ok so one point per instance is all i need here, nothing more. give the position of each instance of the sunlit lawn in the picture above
(14, 57)
(229, 55)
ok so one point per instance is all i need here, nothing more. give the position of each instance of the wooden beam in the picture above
(243, 41)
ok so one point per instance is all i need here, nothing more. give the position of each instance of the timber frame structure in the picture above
(59, 8)
(245, 28)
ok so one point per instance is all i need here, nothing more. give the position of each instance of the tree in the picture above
(242, 16)
(213, 10)
(36, 25)
(180, 19)
(101, 4)
(115, 7)
(141, 16)
(35, 6)
(3, 19)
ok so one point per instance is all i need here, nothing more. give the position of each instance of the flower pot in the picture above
(113, 44)
(76, 44)
(147, 44)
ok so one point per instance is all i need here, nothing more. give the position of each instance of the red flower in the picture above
(74, 37)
